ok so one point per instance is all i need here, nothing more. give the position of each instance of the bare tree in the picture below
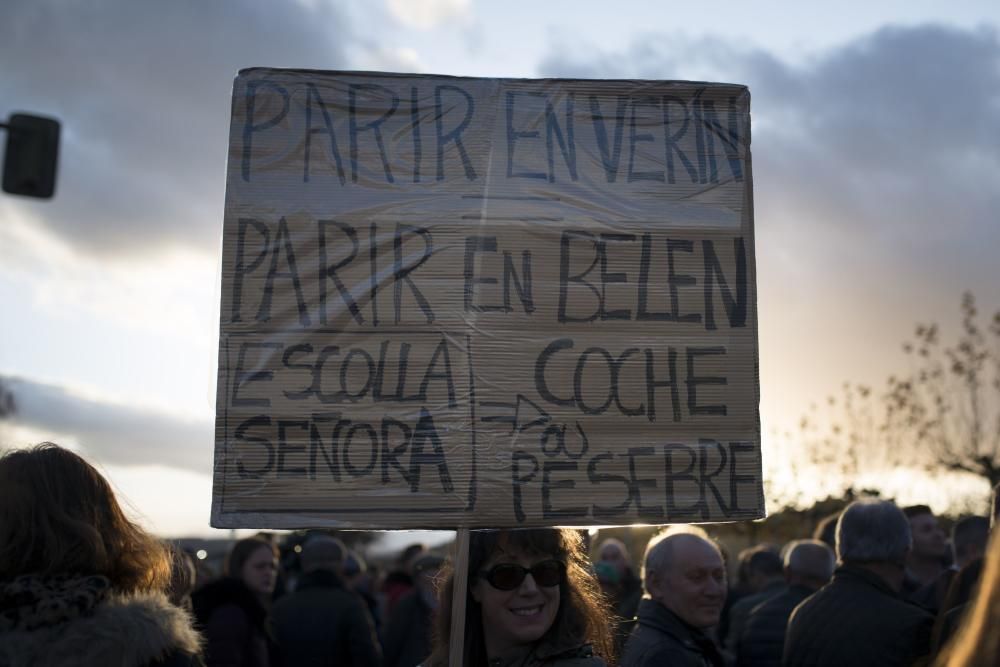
(942, 415)
(846, 437)
(949, 404)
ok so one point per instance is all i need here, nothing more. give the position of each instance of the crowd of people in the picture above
(82, 585)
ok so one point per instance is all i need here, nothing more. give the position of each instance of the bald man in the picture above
(685, 581)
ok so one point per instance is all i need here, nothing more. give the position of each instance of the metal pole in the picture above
(459, 594)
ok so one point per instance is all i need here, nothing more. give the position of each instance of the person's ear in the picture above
(654, 584)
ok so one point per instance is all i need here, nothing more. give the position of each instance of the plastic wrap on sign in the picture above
(459, 302)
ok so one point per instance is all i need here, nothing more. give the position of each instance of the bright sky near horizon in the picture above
(876, 156)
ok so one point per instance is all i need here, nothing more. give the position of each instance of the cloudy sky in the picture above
(876, 148)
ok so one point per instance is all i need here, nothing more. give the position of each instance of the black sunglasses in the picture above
(508, 576)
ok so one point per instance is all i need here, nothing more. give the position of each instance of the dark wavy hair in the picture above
(58, 515)
(583, 612)
(241, 552)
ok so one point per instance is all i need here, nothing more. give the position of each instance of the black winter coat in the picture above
(858, 620)
(740, 611)
(234, 625)
(661, 638)
(323, 624)
(763, 638)
(408, 636)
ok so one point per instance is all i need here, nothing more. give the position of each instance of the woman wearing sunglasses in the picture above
(532, 601)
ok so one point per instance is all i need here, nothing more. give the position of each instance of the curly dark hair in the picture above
(583, 612)
(58, 515)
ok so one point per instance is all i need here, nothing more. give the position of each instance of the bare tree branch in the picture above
(943, 414)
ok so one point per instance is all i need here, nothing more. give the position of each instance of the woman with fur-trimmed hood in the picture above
(80, 584)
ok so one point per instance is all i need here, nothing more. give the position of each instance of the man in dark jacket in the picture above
(969, 537)
(766, 579)
(686, 581)
(859, 618)
(322, 623)
(808, 567)
(408, 637)
(927, 557)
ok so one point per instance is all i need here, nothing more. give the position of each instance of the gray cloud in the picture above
(875, 164)
(143, 90)
(900, 127)
(117, 434)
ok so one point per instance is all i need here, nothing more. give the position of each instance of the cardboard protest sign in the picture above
(455, 302)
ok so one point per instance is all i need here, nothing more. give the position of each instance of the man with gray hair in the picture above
(323, 623)
(685, 582)
(859, 618)
(808, 566)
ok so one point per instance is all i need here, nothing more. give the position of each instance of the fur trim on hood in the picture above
(122, 630)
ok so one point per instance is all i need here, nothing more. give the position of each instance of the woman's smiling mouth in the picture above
(533, 610)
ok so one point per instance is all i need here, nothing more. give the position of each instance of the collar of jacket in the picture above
(775, 585)
(319, 579)
(546, 649)
(855, 574)
(654, 615)
(34, 601)
(801, 591)
(134, 629)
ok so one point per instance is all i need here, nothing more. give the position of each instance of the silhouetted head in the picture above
(873, 531)
(969, 537)
(58, 515)
(929, 541)
(323, 552)
(809, 563)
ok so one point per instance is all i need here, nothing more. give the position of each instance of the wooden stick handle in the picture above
(459, 594)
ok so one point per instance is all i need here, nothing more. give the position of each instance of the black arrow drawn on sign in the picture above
(532, 416)
(523, 425)
(502, 418)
